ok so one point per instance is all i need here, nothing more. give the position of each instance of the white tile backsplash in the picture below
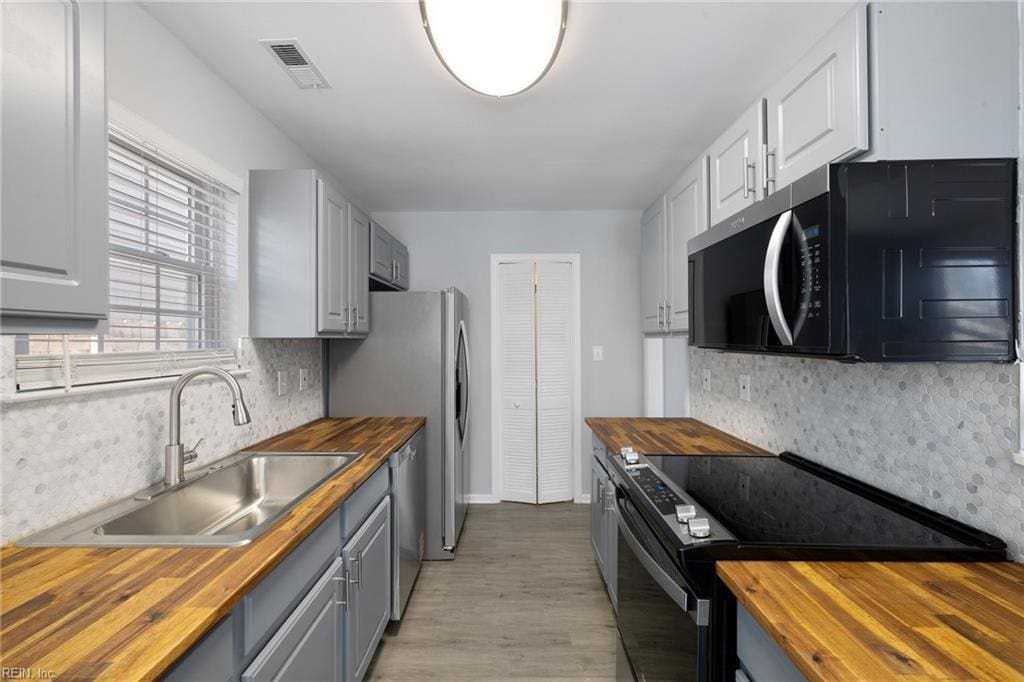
(938, 435)
(67, 455)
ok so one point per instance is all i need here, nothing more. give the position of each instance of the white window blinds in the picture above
(173, 255)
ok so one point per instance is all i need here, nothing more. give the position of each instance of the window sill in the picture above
(112, 387)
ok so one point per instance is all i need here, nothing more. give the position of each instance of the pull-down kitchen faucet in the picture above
(175, 455)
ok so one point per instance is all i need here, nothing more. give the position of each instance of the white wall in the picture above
(63, 456)
(454, 249)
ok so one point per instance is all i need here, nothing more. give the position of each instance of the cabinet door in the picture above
(735, 165)
(818, 112)
(359, 269)
(53, 272)
(308, 644)
(381, 258)
(652, 266)
(401, 265)
(332, 244)
(367, 559)
(611, 524)
(598, 533)
(687, 216)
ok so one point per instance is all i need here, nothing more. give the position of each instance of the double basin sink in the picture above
(227, 504)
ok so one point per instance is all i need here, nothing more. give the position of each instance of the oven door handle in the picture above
(674, 591)
(772, 297)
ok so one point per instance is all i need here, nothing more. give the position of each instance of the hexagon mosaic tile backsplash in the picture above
(66, 455)
(938, 435)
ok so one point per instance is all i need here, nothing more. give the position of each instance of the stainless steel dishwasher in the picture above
(408, 519)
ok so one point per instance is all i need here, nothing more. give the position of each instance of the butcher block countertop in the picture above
(888, 621)
(130, 613)
(669, 436)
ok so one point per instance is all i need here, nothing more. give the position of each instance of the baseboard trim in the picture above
(583, 499)
(482, 499)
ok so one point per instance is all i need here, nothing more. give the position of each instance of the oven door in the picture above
(663, 626)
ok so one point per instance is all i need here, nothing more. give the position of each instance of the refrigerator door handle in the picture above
(464, 336)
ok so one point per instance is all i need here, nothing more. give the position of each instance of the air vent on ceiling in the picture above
(297, 63)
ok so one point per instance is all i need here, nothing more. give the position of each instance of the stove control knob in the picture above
(631, 457)
(685, 512)
(699, 528)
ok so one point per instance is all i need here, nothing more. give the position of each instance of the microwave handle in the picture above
(771, 279)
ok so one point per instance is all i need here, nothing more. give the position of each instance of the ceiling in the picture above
(638, 90)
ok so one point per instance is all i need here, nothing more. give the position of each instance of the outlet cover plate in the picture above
(745, 387)
(303, 379)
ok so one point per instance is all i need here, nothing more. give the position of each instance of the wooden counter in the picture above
(130, 613)
(887, 621)
(675, 436)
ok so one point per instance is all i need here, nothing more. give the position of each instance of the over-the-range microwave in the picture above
(881, 262)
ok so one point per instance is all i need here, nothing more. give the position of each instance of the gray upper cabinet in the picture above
(382, 263)
(367, 557)
(401, 265)
(818, 111)
(687, 206)
(666, 227)
(736, 166)
(389, 260)
(359, 270)
(652, 266)
(53, 271)
(308, 258)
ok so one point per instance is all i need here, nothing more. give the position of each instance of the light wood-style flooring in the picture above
(522, 600)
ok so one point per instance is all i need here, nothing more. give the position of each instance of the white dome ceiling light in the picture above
(495, 47)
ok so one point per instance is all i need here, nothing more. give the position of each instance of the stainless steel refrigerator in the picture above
(415, 363)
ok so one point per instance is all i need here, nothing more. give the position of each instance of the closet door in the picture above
(518, 437)
(554, 381)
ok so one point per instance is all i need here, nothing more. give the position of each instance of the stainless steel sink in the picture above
(226, 504)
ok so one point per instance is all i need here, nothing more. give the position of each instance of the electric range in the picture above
(678, 515)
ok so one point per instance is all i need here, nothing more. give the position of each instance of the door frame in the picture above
(497, 458)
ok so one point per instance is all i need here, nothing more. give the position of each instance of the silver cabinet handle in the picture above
(668, 316)
(661, 315)
(768, 167)
(358, 560)
(355, 316)
(609, 496)
(772, 297)
(394, 270)
(747, 167)
(343, 579)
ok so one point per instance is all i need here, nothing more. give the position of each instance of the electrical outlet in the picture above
(705, 381)
(598, 353)
(282, 382)
(303, 379)
(745, 387)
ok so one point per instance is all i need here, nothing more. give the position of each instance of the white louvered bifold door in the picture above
(554, 380)
(518, 437)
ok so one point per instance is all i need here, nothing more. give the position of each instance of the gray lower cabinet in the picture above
(53, 218)
(604, 528)
(320, 614)
(367, 562)
(309, 644)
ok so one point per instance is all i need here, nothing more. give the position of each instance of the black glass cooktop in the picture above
(771, 500)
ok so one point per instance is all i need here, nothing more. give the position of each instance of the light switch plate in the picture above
(598, 353)
(282, 382)
(745, 387)
(705, 381)
(303, 379)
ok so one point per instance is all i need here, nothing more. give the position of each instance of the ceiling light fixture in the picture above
(495, 47)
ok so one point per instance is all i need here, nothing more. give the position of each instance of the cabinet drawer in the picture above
(267, 605)
(308, 644)
(363, 501)
(213, 658)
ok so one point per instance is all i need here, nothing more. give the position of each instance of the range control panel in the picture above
(663, 498)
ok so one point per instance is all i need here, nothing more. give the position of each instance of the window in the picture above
(173, 254)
